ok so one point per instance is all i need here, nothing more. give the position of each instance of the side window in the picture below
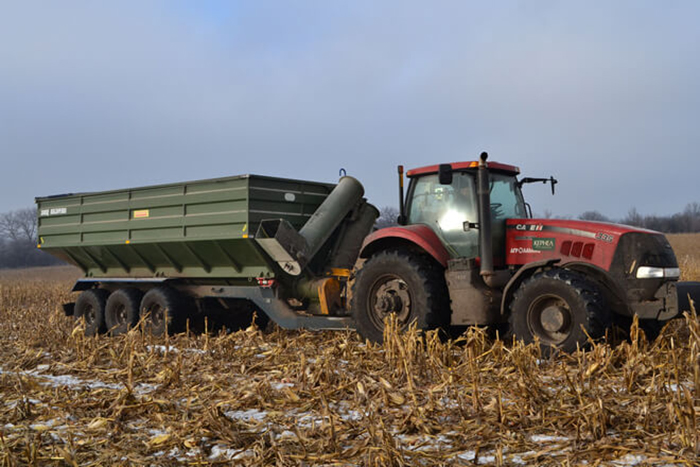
(445, 209)
(506, 198)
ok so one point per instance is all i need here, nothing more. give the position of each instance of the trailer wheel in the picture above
(558, 307)
(166, 310)
(401, 284)
(91, 306)
(122, 312)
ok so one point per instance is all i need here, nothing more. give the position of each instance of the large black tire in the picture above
(122, 312)
(400, 283)
(559, 307)
(91, 306)
(166, 310)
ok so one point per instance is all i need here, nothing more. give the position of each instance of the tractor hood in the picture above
(530, 240)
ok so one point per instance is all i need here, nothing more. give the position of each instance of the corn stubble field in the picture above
(303, 398)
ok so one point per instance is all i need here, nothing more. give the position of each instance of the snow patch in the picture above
(631, 459)
(548, 439)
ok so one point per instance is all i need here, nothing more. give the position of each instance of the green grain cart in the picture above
(229, 246)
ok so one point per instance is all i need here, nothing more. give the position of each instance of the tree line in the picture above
(686, 221)
(18, 240)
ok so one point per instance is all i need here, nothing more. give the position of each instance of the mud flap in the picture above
(688, 291)
(69, 309)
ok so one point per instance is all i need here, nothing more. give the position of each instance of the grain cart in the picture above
(467, 252)
(173, 252)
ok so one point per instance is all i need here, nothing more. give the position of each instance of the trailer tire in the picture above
(559, 307)
(165, 310)
(91, 306)
(400, 283)
(122, 311)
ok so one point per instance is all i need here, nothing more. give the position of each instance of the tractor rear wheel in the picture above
(166, 310)
(560, 308)
(122, 312)
(400, 284)
(91, 306)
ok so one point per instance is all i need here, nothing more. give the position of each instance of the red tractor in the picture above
(468, 252)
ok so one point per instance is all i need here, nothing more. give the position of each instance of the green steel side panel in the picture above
(199, 229)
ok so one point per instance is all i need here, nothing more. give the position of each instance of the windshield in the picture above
(506, 198)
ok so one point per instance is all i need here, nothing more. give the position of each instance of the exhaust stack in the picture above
(483, 191)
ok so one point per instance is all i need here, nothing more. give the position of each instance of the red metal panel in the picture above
(418, 234)
(529, 240)
(433, 169)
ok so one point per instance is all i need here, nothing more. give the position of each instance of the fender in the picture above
(411, 236)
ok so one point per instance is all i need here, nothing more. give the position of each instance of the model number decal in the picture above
(53, 212)
(604, 237)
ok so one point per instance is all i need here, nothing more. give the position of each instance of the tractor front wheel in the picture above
(400, 284)
(560, 308)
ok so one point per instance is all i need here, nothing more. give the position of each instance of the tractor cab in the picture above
(444, 197)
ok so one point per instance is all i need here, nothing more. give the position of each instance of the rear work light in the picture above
(266, 283)
(651, 272)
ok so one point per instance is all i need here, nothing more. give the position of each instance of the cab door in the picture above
(449, 210)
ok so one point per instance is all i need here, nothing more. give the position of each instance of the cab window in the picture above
(445, 209)
(506, 198)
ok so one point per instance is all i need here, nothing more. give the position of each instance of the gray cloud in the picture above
(603, 95)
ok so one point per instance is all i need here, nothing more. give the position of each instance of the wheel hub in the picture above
(390, 296)
(90, 315)
(549, 318)
(554, 319)
(121, 315)
(389, 303)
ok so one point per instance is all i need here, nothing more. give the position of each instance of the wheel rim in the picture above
(389, 295)
(157, 315)
(90, 315)
(549, 317)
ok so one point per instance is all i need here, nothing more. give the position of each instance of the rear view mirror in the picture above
(445, 174)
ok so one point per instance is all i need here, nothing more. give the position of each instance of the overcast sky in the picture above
(604, 95)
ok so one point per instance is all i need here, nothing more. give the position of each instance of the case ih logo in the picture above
(543, 244)
(530, 227)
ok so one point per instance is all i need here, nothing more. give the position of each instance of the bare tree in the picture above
(593, 216)
(19, 225)
(634, 218)
(388, 217)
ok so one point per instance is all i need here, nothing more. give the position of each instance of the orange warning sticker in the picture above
(141, 214)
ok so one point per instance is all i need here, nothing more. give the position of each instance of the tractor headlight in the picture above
(651, 272)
